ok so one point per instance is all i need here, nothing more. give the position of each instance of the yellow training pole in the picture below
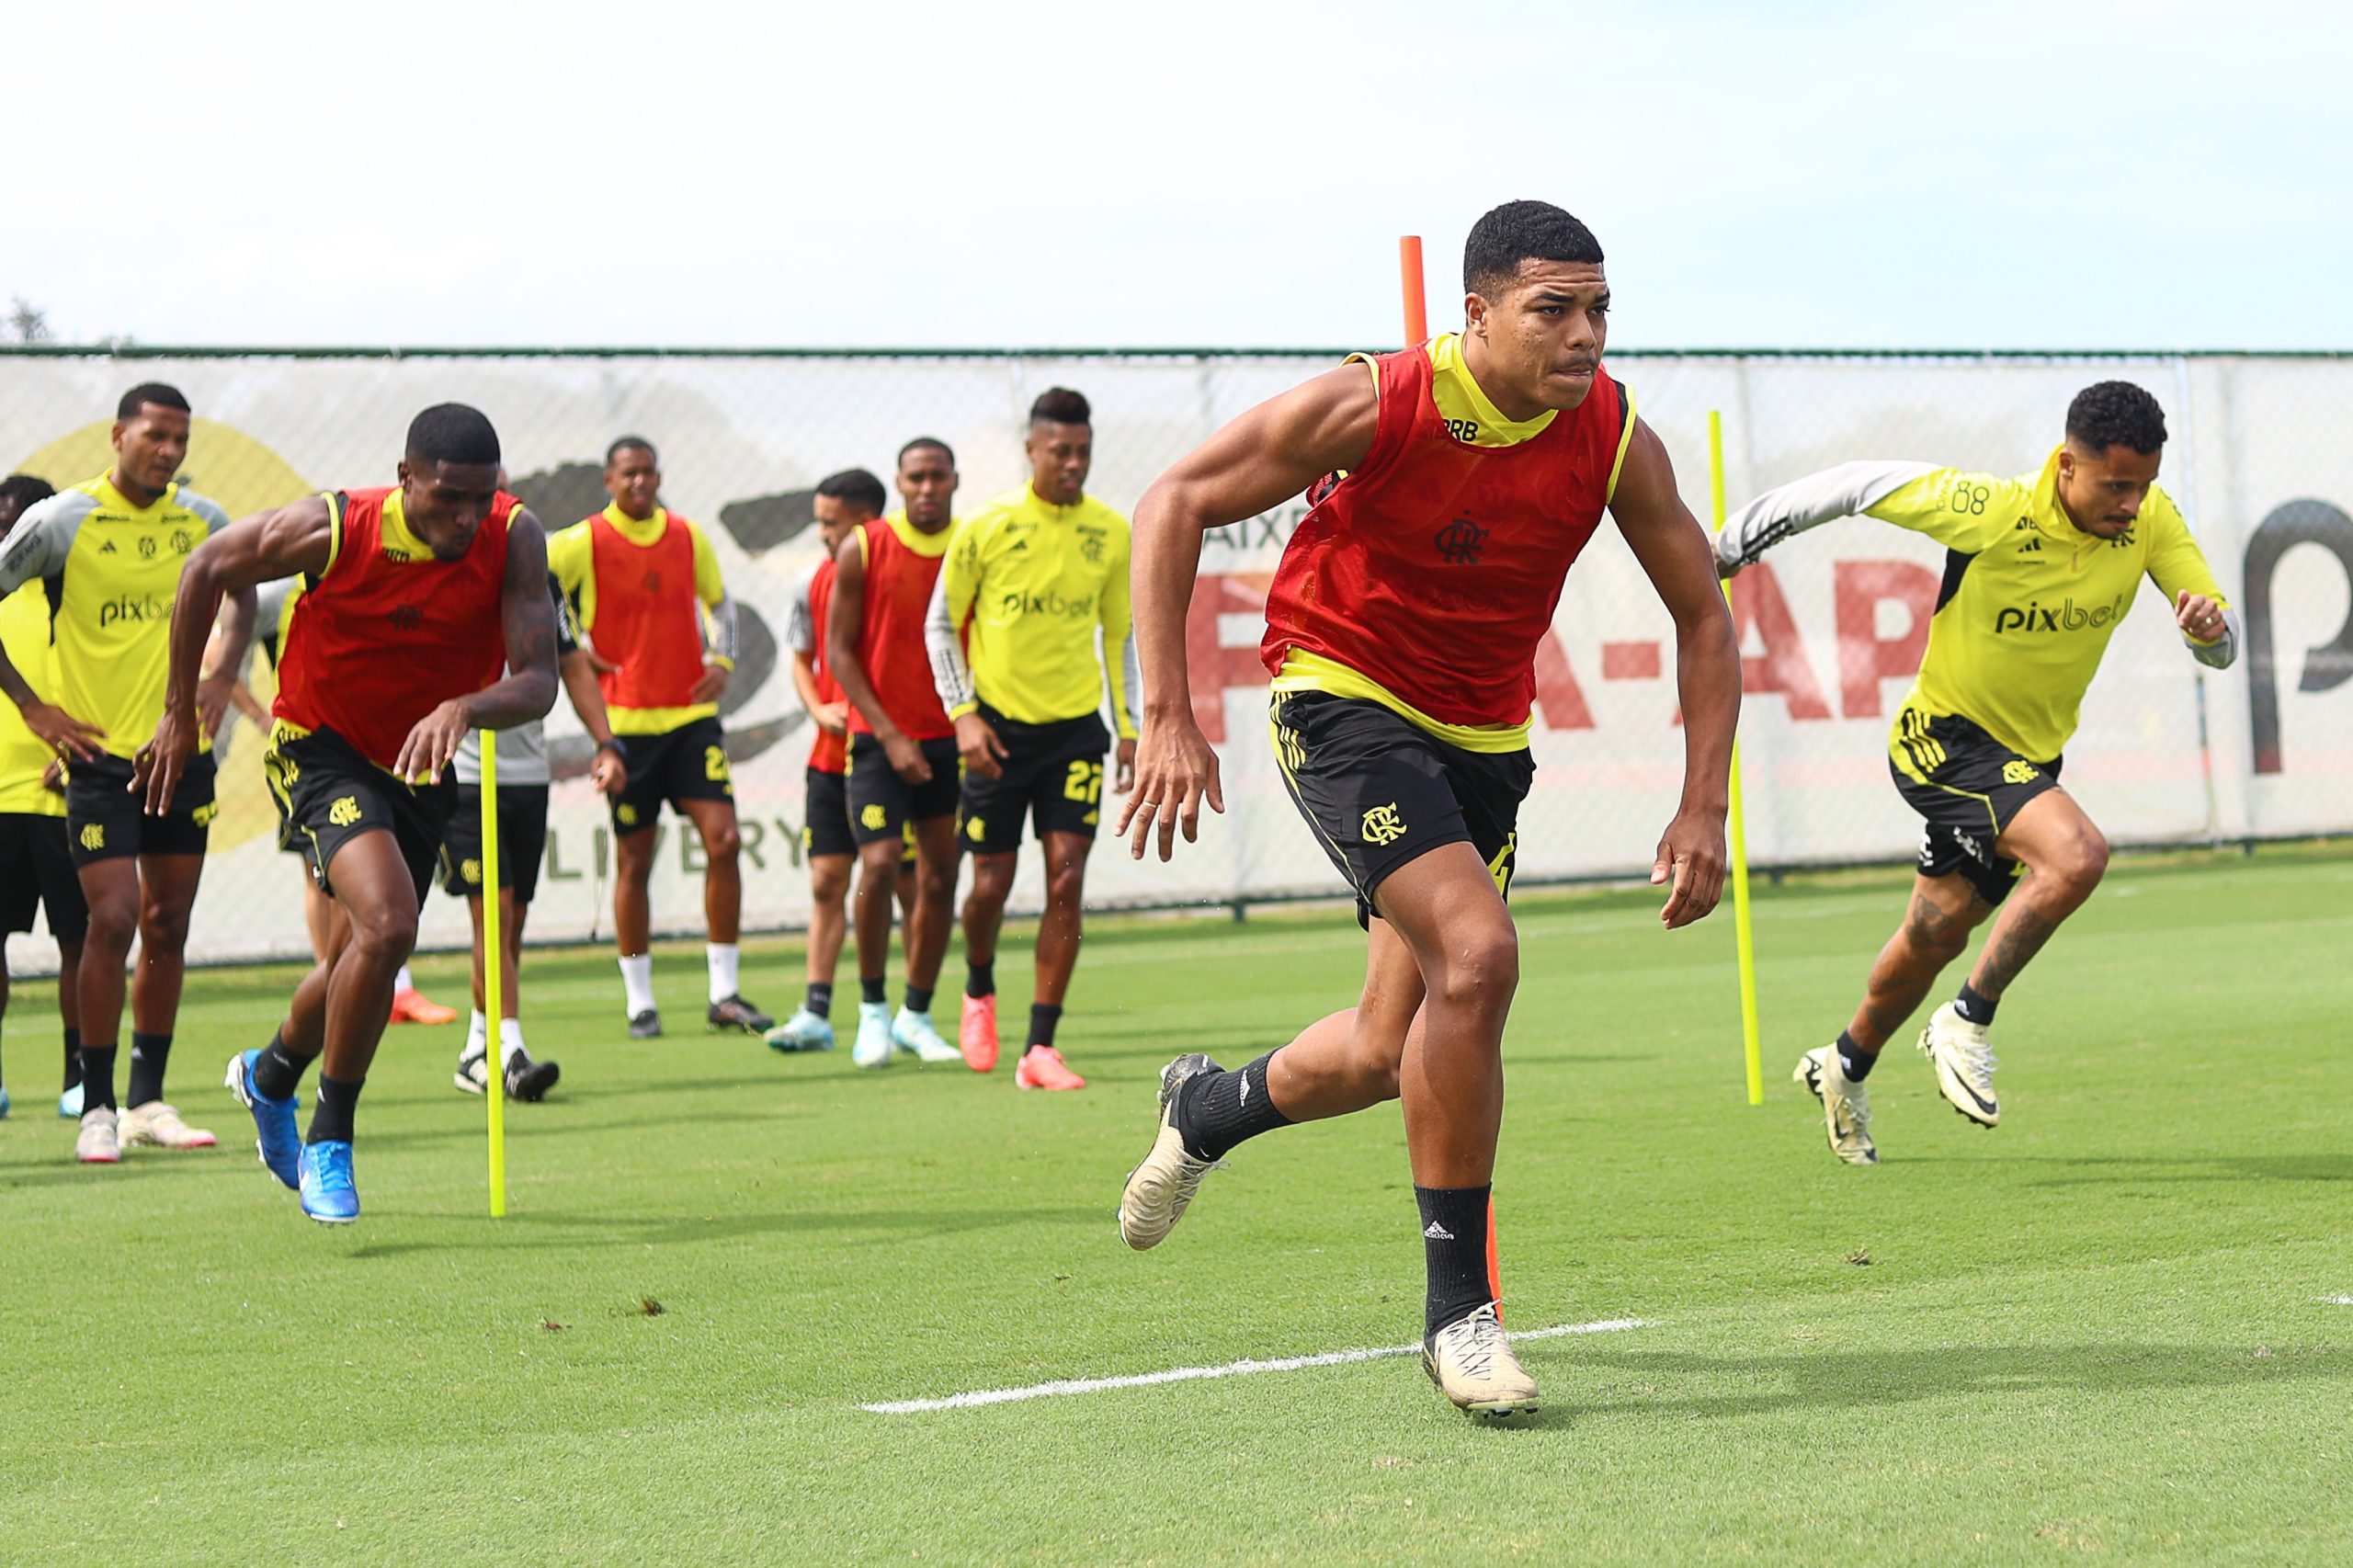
(493, 993)
(1744, 934)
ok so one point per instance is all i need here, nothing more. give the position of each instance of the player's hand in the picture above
(597, 662)
(906, 758)
(433, 744)
(155, 767)
(1693, 855)
(832, 717)
(976, 739)
(63, 733)
(1176, 771)
(713, 682)
(52, 777)
(2198, 617)
(606, 771)
(213, 696)
(1123, 761)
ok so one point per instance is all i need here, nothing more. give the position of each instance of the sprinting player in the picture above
(1454, 484)
(414, 597)
(109, 554)
(902, 748)
(644, 589)
(522, 839)
(1031, 580)
(2039, 572)
(36, 869)
(844, 502)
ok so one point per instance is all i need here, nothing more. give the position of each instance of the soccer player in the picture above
(522, 839)
(1453, 485)
(644, 589)
(36, 869)
(844, 502)
(414, 597)
(902, 748)
(109, 554)
(1030, 581)
(2039, 572)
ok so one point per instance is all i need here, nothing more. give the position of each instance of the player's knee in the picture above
(722, 843)
(1479, 969)
(163, 933)
(829, 878)
(2082, 861)
(113, 922)
(385, 935)
(1066, 884)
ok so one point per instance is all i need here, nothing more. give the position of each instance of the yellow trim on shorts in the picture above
(1310, 672)
(1282, 760)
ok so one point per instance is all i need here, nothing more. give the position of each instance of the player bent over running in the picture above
(1458, 480)
(415, 597)
(2039, 572)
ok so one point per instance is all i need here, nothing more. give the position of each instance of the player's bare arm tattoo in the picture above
(2017, 939)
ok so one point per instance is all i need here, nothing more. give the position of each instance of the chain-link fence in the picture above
(1831, 627)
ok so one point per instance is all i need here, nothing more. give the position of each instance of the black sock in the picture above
(331, 1117)
(1977, 1009)
(872, 990)
(821, 998)
(980, 979)
(1043, 1017)
(1853, 1060)
(148, 1054)
(1454, 1248)
(918, 998)
(1217, 1110)
(98, 1078)
(73, 1060)
(277, 1072)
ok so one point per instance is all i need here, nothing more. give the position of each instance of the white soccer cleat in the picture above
(1845, 1105)
(1161, 1188)
(156, 1124)
(874, 1046)
(1964, 1064)
(99, 1142)
(917, 1034)
(1472, 1363)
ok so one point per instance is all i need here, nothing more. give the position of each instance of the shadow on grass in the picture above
(2088, 1170)
(540, 1229)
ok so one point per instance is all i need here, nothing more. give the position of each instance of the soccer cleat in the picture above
(328, 1195)
(277, 1141)
(645, 1026)
(156, 1124)
(1964, 1064)
(526, 1079)
(99, 1142)
(414, 1006)
(802, 1031)
(1472, 1363)
(874, 1046)
(1161, 1188)
(69, 1104)
(4, 1100)
(734, 1013)
(917, 1034)
(976, 1034)
(1043, 1067)
(1845, 1105)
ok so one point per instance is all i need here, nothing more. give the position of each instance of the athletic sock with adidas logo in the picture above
(1454, 1248)
(1218, 1110)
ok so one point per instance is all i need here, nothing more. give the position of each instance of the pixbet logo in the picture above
(2065, 617)
(1052, 602)
(146, 608)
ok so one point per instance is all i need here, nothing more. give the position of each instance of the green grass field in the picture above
(2106, 1329)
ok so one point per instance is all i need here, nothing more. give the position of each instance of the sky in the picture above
(2060, 174)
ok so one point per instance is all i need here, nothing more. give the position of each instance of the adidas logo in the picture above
(1246, 1090)
(1436, 1233)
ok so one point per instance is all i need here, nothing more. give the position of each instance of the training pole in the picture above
(1742, 933)
(1409, 272)
(493, 996)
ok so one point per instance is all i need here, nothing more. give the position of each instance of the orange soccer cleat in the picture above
(1043, 1067)
(976, 1037)
(414, 1006)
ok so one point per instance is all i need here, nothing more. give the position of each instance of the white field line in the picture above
(1230, 1369)
(2337, 1301)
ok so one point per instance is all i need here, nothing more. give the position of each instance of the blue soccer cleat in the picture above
(802, 1031)
(4, 1100)
(281, 1143)
(69, 1104)
(328, 1196)
(874, 1046)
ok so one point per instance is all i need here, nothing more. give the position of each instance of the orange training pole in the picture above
(1409, 268)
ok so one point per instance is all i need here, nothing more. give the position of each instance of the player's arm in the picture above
(844, 620)
(2206, 622)
(35, 547)
(1254, 464)
(579, 673)
(722, 637)
(1959, 510)
(943, 640)
(527, 618)
(800, 635)
(232, 640)
(1674, 552)
(1119, 667)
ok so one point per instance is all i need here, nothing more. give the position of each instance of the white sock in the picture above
(478, 1036)
(723, 958)
(637, 979)
(510, 1039)
(402, 981)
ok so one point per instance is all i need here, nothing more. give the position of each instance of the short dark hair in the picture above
(452, 433)
(1522, 231)
(2116, 413)
(631, 444)
(855, 486)
(931, 442)
(1060, 405)
(146, 392)
(25, 490)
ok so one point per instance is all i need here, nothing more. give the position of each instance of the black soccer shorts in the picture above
(37, 872)
(882, 804)
(104, 818)
(1968, 787)
(1053, 774)
(688, 763)
(328, 794)
(522, 841)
